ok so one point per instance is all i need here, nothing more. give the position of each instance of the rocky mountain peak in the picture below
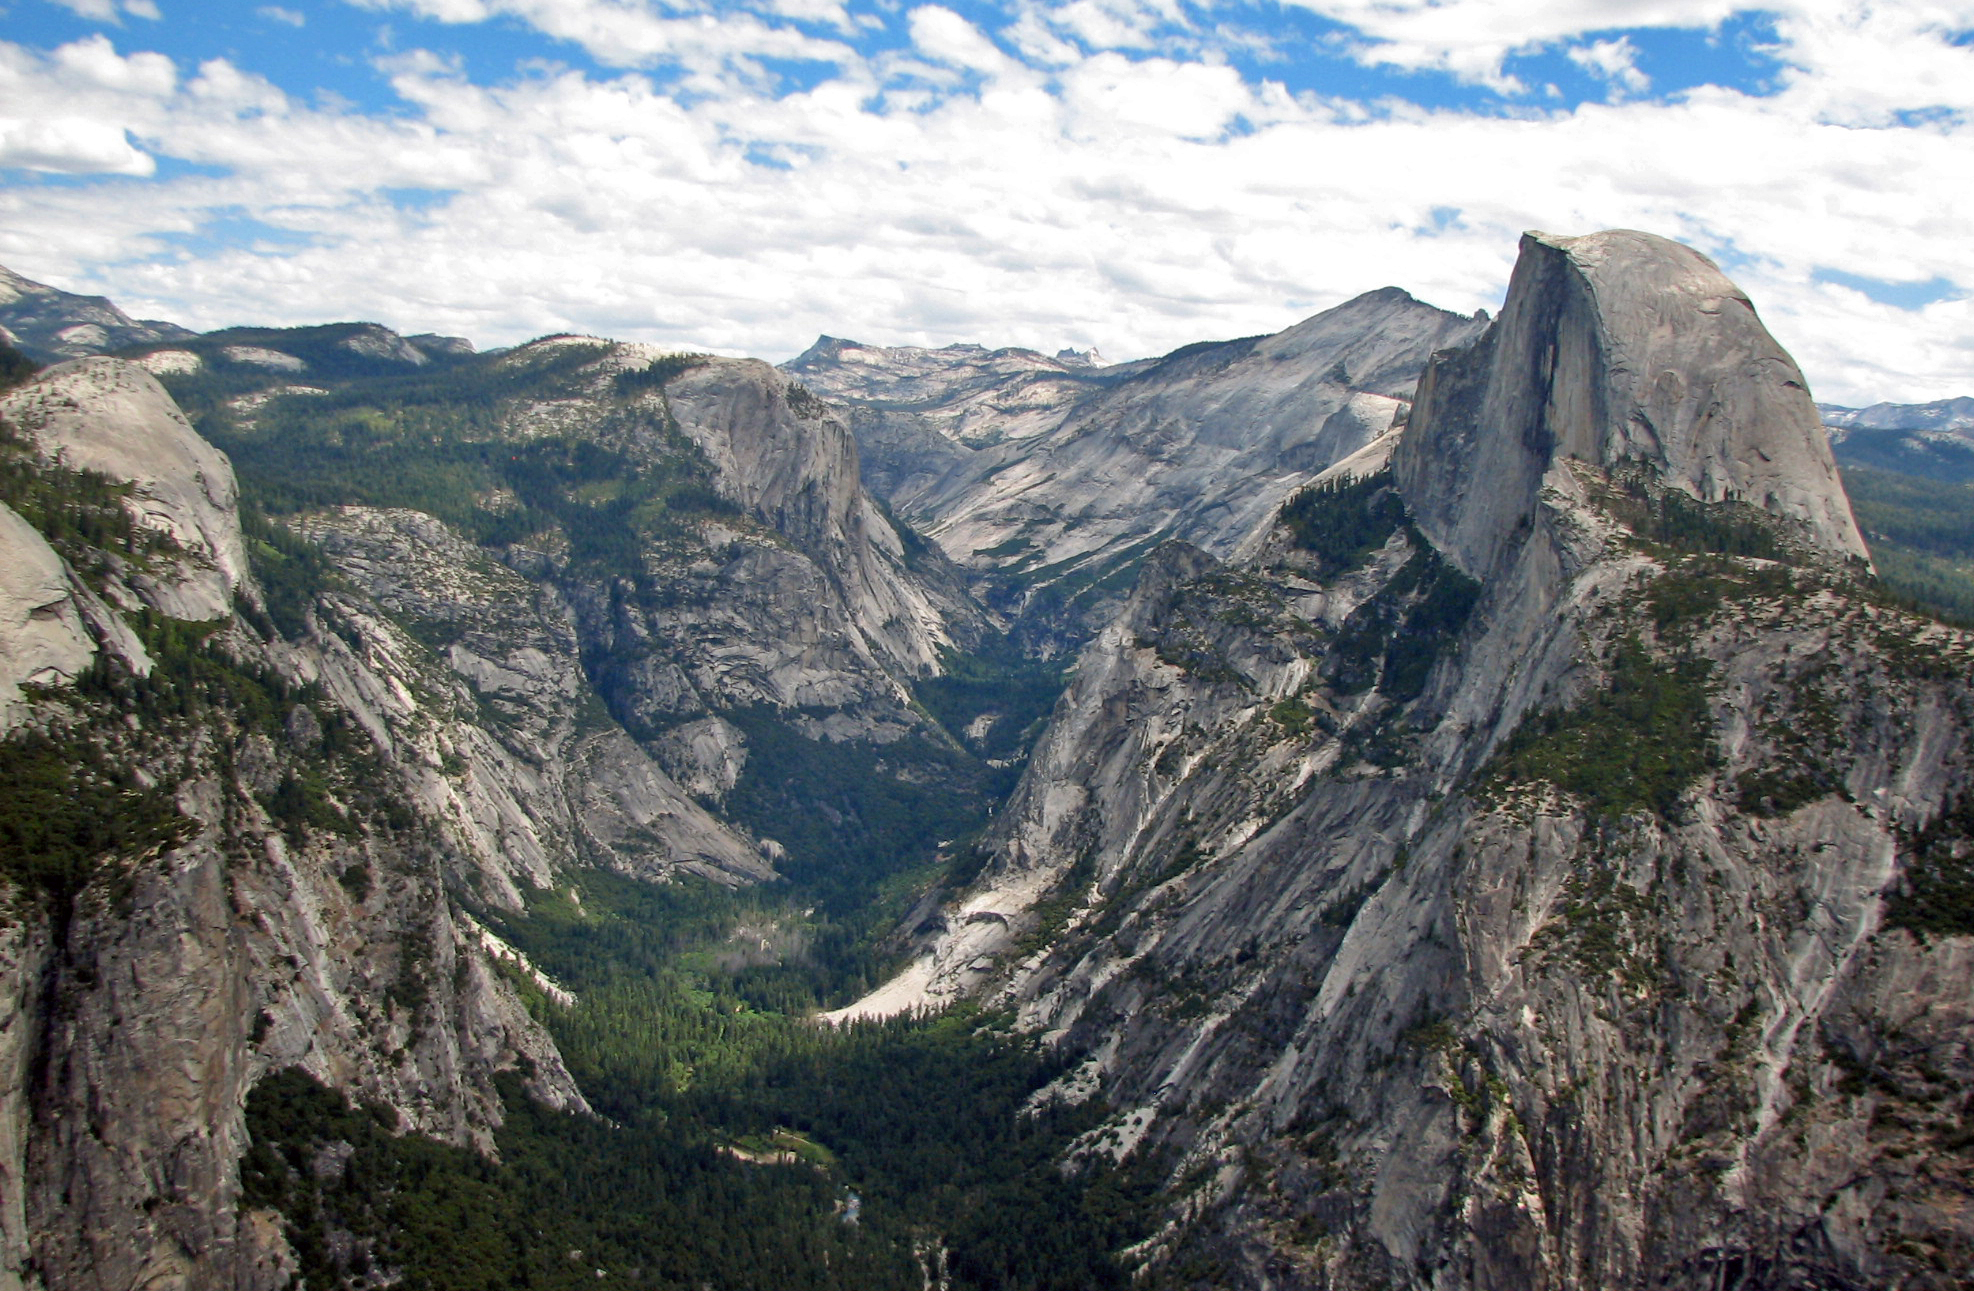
(51, 324)
(1613, 348)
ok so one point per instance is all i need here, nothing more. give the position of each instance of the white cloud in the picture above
(289, 17)
(1118, 24)
(638, 33)
(107, 10)
(72, 111)
(945, 37)
(1470, 38)
(1615, 61)
(68, 146)
(1135, 203)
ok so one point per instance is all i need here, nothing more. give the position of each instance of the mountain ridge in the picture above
(1425, 929)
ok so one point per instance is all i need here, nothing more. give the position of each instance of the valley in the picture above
(1411, 800)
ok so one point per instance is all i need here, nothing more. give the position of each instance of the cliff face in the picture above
(1515, 871)
(263, 874)
(1054, 475)
(789, 460)
(1618, 348)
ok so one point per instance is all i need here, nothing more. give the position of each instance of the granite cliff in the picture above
(267, 785)
(1496, 835)
(227, 851)
(1052, 478)
(1530, 865)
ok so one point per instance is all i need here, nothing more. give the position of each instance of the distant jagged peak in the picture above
(830, 351)
(50, 324)
(1955, 415)
(1617, 348)
(827, 347)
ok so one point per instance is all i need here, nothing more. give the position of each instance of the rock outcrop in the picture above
(43, 640)
(1618, 348)
(298, 816)
(113, 418)
(1513, 871)
(1044, 474)
(551, 781)
(325, 761)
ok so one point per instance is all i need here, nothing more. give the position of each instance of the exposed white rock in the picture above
(164, 363)
(790, 460)
(259, 356)
(1618, 347)
(1038, 469)
(112, 417)
(42, 637)
(84, 336)
(374, 342)
(706, 757)
(553, 786)
(1489, 1037)
(433, 343)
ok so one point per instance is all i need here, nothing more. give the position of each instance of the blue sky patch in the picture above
(1899, 295)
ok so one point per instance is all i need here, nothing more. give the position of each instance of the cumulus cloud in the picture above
(72, 112)
(70, 146)
(1015, 185)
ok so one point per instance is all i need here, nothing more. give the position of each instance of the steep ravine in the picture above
(269, 786)
(1545, 884)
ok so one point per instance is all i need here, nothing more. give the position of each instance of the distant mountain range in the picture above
(50, 325)
(1956, 415)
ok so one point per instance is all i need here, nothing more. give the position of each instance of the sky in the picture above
(1131, 175)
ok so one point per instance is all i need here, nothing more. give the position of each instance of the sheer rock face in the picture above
(804, 597)
(554, 780)
(791, 461)
(1388, 1011)
(136, 1014)
(42, 637)
(114, 418)
(1617, 348)
(1050, 472)
(443, 705)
